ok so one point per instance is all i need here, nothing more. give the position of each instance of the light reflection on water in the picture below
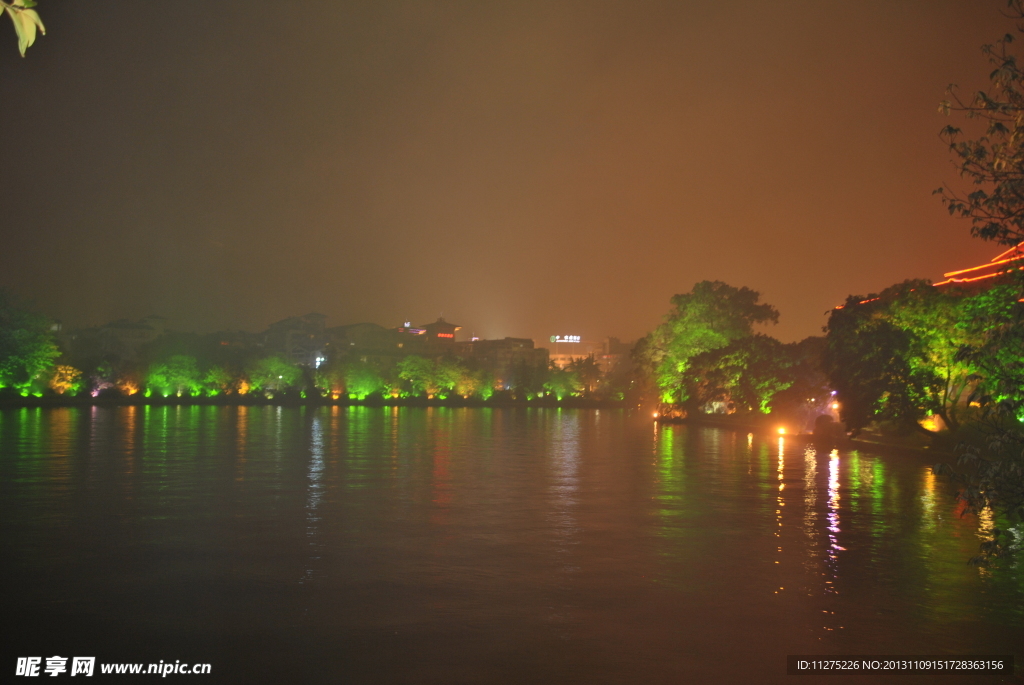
(483, 545)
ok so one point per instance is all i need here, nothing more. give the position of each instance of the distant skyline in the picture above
(526, 169)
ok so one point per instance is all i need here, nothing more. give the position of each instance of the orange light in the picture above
(655, 414)
(976, 278)
(983, 266)
(782, 431)
(835, 405)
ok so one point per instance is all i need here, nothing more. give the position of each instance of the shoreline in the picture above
(290, 401)
(876, 443)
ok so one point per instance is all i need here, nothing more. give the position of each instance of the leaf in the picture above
(25, 21)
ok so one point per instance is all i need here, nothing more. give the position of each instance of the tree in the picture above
(419, 374)
(217, 380)
(992, 162)
(708, 317)
(26, 21)
(588, 371)
(27, 348)
(65, 380)
(748, 373)
(563, 382)
(362, 380)
(899, 355)
(991, 159)
(177, 376)
(273, 374)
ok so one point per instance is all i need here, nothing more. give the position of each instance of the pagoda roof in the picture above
(1003, 263)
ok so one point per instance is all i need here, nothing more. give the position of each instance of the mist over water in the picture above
(477, 545)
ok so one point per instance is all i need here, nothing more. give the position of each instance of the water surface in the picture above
(434, 545)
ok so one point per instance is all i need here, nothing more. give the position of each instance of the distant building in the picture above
(440, 332)
(369, 342)
(501, 356)
(607, 353)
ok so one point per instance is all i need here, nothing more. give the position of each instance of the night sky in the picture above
(526, 169)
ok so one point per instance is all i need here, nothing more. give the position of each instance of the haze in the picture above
(524, 169)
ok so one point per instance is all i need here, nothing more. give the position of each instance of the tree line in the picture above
(34, 362)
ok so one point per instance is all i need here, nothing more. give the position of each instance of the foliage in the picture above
(448, 373)
(588, 373)
(362, 380)
(810, 393)
(65, 380)
(419, 374)
(708, 317)
(748, 373)
(27, 349)
(563, 383)
(217, 380)
(526, 380)
(992, 162)
(898, 355)
(177, 376)
(26, 21)
(272, 374)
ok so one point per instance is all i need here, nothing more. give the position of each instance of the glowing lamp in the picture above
(835, 405)
(782, 431)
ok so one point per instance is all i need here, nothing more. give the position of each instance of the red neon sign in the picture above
(446, 335)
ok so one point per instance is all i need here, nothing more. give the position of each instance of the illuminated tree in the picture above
(563, 383)
(419, 374)
(65, 380)
(362, 380)
(526, 380)
(898, 355)
(449, 373)
(587, 371)
(217, 380)
(272, 375)
(27, 349)
(747, 373)
(177, 376)
(708, 317)
(26, 22)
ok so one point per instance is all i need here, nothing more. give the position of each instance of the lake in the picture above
(439, 545)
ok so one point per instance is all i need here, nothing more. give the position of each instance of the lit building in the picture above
(607, 353)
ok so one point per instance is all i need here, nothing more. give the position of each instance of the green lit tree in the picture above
(27, 348)
(588, 372)
(898, 355)
(747, 373)
(563, 383)
(448, 373)
(419, 374)
(710, 316)
(273, 374)
(989, 156)
(177, 376)
(362, 380)
(217, 380)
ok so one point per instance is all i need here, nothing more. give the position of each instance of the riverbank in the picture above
(868, 439)
(291, 400)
